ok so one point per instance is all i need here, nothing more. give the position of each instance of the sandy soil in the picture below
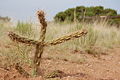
(106, 67)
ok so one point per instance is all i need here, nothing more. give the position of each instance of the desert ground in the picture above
(73, 60)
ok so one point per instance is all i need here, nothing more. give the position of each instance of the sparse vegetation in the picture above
(101, 35)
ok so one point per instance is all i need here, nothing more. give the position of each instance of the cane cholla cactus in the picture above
(18, 38)
(40, 44)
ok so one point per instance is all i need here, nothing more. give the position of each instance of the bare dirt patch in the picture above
(106, 67)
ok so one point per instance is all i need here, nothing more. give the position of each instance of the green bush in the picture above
(81, 11)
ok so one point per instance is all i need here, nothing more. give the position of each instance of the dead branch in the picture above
(21, 70)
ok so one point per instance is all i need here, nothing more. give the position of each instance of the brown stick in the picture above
(21, 71)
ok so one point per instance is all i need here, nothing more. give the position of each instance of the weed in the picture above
(24, 28)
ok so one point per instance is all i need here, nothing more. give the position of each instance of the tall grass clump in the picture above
(14, 52)
(11, 53)
(88, 40)
(24, 28)
(100, 35)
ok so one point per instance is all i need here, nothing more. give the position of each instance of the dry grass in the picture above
(100, 35)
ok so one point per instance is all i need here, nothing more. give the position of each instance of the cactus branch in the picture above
(40, 44)
(17, 38)
(66, 38)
